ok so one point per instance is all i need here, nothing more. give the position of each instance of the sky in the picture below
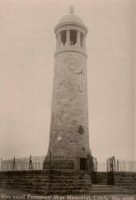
(27, 46)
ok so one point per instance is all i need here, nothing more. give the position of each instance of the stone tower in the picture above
(69, 134)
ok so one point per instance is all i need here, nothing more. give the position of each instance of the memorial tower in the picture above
(69, 133)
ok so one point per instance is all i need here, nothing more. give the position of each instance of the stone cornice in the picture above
(68, 26)
(74, 49)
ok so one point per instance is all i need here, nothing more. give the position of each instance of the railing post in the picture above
(110, 170)
(49, 176)
(14, 164)
(117, 166)
(30, 163)
(1, 165)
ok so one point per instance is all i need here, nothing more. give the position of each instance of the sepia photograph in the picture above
(67, 99)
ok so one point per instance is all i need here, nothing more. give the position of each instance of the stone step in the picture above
(63, 192)
(123, 184)
(69, 181)
(53, 184)
(110, 192)
(46, 183)
(126, 182)
(69, 178)
(107, 190)
(95, 189)
(80, 184)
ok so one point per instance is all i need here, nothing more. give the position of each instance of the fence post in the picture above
(110, 170)
(30, 163)
(117, 169)
(14, 164)
(95, 170)
(90, 166)
(1, 165)
(49, 175)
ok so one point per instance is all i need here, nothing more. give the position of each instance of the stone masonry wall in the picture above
(69, 124)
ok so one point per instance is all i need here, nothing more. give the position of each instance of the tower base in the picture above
(82, 163)
(68, 175)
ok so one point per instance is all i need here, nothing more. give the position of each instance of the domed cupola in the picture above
(70, 33)
(71, 18)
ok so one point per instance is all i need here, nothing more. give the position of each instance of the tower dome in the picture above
(70, 34)
(70, 19)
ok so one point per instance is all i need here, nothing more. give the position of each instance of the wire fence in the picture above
(125, 166)
(36, 163)
(120, 166)
(20, 164)
(117, 165)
